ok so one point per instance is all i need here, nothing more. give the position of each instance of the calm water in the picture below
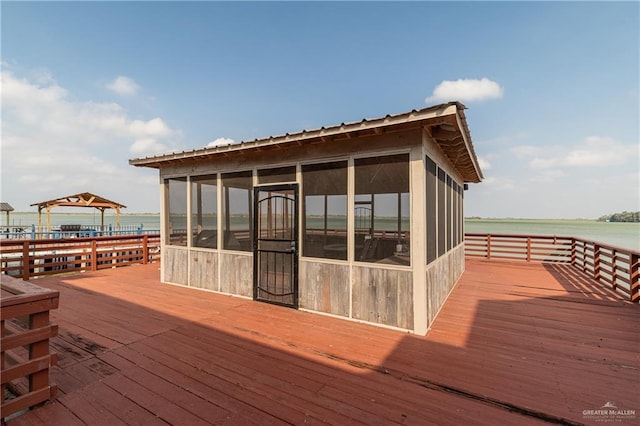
(618, 234)
(148, 221)
(625, 235)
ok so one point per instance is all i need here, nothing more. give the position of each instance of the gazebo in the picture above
(360, 220)
(6, 207)
(84, 199)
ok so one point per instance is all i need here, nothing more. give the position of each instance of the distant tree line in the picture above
(625, 216)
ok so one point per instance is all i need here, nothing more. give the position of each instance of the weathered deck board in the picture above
(515, 343)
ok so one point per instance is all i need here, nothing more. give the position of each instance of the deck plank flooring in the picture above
(516, 343)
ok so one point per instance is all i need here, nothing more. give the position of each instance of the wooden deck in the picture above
(515, 344)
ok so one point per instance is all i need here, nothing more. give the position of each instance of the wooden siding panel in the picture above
(324, 287)
(441, 276)
(236, 274)
(203, 272)
(436, 280)
(175, 265)
(458, 262)
(383, 296)
(405, 302)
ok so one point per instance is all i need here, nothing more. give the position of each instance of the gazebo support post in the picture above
(39, 222)
(49, 218)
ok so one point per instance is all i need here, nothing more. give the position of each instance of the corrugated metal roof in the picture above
(433, 115)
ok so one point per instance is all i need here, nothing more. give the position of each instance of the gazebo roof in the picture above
(446, 123)
(84, 199)
(5, 207)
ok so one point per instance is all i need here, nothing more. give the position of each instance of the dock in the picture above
(515, 343)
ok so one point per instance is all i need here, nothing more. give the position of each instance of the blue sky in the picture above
(552, 90)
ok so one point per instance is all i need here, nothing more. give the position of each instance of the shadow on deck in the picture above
(516, 343)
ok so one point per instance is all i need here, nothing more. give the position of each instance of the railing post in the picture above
(94, 255)
(528, 249)
(614, 269)
(573, 252)
(488, 246)
(634, 275)
(596, 262)
(39, 380)
(26, 261)
(145, 249)
(3, 333)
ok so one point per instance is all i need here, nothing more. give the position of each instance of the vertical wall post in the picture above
(219, 233)
(351, 214)
(418, 240)
(163, 224)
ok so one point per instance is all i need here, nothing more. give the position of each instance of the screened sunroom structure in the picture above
(361, 220)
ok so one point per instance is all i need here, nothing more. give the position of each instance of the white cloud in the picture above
(154, 127)
(484, 163)
(147, 145)
(32, 108)
(465, 90)
(124, 86)
(548, 176)
(498, 183)
(505, 140)
(54, 145)
(221, 142)
(593, 151)
(523, 151)
(544, 163)
(600, 151)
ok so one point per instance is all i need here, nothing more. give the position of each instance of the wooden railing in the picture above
(617, 268)
(35, 258)
(25, 334)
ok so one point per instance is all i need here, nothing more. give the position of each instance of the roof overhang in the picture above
(6, 207)
(446, 123)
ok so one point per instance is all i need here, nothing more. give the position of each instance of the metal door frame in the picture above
(295, 241)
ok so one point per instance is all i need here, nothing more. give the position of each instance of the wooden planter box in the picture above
(26, 331)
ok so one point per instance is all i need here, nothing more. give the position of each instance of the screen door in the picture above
(275, 244)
